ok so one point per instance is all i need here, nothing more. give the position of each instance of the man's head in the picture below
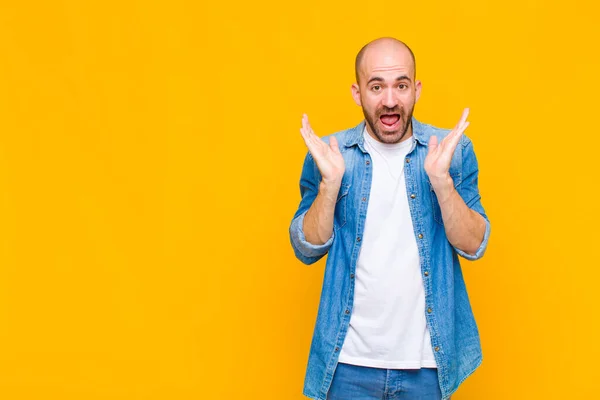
(386, 88)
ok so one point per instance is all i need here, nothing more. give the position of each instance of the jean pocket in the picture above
(340, 213)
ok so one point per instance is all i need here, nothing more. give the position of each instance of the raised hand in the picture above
(327, 156)
(439, 156)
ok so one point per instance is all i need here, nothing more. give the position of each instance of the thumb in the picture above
(433, 144)
(333, 143)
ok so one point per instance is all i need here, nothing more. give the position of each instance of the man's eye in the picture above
(376, 87)
(402, 86)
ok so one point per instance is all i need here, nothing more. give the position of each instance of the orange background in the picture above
(149, 163)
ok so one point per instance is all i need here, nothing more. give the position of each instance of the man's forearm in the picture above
(464, 227)
(318, 221)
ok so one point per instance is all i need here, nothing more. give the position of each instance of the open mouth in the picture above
(390, 120)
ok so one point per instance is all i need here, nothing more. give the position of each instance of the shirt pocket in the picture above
(340, 214)
(436, 210)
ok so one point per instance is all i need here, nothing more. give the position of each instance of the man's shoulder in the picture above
(426, 131)
(344, 136)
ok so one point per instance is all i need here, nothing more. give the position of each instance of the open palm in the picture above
(439, 156)
(327, 156)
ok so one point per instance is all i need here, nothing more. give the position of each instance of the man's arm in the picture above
(466, 229)
(318, 222)
(311, 230)
(466, 225)
(313, 212)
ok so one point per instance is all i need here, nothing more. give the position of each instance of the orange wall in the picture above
(149, 165)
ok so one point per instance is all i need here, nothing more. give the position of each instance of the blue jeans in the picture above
(353, 382)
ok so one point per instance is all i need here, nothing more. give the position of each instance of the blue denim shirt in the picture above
(454, 333)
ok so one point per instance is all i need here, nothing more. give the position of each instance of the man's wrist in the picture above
(330, 189)
(443, 188)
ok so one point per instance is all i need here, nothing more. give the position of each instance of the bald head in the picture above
(386, 88)
(379, 46)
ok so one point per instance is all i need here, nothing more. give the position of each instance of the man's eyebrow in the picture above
(375, 79)
(380, 79)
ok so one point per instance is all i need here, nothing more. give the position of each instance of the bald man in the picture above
(393, 202)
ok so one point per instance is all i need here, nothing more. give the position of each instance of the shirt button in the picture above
(420, 236)
(368, 162)
(429, 310)
(436, 348)
(426, 273)
(407, 159)
(338, 349)
(358, 239)
(347, 311)
(351, 276)
(364, 199)
(412, 196)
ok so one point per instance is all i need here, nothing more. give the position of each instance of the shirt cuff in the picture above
(304, 247)
(479, 253)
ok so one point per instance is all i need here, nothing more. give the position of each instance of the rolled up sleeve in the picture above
(482, 247)
(305, 251)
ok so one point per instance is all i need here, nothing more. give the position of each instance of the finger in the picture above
(456, 132)
(459, 124)
(459, 128)
(333, 143)
(303, 130)
(444, 142)
(453, 142)
(460, 132)
(317, 141)
(464, 116)
(305, 127)
(433, 144)
(314, 143)
(310, 129)
(303, 133)
(305, 138)
(447, 141)
(464, 127)
(306, 131)
(313, 147)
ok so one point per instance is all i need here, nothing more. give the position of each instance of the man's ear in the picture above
(418, 88)
(356, 94)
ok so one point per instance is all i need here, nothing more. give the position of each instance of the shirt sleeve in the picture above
(469, 191)
(305, 251)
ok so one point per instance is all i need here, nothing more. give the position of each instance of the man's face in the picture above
(387, 93)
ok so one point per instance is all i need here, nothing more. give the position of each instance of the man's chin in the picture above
(390, 137)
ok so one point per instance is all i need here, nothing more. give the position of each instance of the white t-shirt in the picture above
(387, 326)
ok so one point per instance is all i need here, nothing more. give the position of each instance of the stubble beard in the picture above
(392, 137)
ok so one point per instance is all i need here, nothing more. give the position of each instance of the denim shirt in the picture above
(454, 333)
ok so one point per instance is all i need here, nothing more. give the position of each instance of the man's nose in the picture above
(389, 99)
